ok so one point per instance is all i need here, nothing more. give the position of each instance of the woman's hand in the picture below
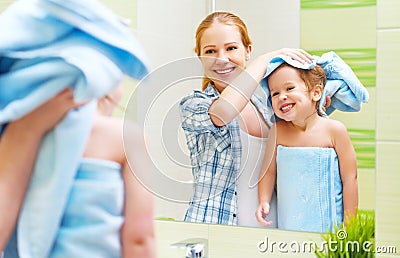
(297, 54)
(19, 145)
(327, 103)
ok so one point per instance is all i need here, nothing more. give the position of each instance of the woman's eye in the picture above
(210, 51)
(231, 48)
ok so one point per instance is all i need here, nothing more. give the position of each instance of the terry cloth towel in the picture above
(92, 219)
(309, 189)
(345, 89)
(45, 46)
(93, 215)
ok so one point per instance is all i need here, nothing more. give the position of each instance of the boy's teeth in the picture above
(287, 107)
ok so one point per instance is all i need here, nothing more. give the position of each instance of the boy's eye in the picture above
(290, 88)
(274, 94)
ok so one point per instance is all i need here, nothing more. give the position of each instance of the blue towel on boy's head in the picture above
(345, 89)
(45, 46)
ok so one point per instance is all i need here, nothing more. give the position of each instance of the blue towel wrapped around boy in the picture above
(309, 187)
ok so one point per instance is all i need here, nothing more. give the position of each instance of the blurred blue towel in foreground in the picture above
(309, 189)
(93, 217)
(45, 46)
(345, 89)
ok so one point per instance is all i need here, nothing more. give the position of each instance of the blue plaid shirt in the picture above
(215, 154)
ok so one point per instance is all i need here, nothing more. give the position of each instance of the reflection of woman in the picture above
(226, 121)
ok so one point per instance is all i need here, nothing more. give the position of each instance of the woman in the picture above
(226, 121)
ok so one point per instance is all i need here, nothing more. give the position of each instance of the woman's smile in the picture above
(224, 71)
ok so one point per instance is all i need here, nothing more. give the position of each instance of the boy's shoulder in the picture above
(335, 128)
(106, 139)
(334, 124)
(107, 130)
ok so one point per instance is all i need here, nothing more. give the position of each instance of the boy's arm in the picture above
(19, 144)
(348, 168)
(267, 179)
(137, 233)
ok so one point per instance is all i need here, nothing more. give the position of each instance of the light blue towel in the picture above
(45, 46)
(91, 223)
(309, 189)
(93, 216)
(345, 89)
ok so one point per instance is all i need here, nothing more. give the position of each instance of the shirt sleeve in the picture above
(194, 113)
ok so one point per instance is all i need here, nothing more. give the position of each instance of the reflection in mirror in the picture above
(356, 44)
(167, 140)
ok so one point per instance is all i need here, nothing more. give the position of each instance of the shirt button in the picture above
(235, 193)
(234, 215)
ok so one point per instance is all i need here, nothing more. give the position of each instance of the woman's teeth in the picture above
(227, 70)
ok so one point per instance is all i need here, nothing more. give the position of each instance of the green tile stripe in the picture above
(362, 61)
(323, 4)
(364, 145)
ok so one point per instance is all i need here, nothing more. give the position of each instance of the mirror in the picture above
(168, 37)
(169, 40)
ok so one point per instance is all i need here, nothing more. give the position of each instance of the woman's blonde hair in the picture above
(226, 18)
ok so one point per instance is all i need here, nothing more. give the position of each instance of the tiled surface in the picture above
(388, 138)
(271, 26)
(351, 33)
(127, 9)
(366, 189)
(388, 195)
(338, 28)
(4, 4)
(388, 80)
(365, 118)
(166, 28)
(388, 13)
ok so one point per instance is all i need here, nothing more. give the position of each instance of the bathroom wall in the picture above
(166, 29)
(387, 119)
(4, 4)
(330, 26)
